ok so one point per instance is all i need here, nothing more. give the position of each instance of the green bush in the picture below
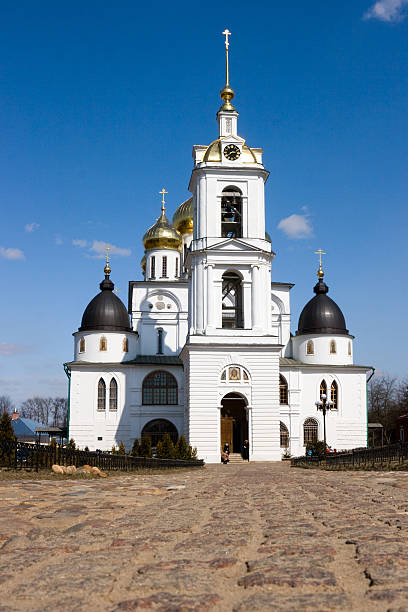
(6, 429)
(165, 448)
(136, 450)
(146, 447)
(122, 450)
(184, 451)
(71, 444)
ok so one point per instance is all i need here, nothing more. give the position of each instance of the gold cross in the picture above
(320, 272)
(162, 192)
(320, 253)
(226, 33)
(108, 248)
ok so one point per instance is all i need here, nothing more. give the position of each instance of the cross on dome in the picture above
(320, 272)
(162, 192)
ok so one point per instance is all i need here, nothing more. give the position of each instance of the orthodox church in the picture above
(204, 348)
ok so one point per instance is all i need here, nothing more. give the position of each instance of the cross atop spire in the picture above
(227, 93)
(107, 269)
(320, 272)
(162, 192)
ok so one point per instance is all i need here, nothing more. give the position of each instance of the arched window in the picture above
(159, 388)
(156, 429)
(101, 394)
(284, 435)
(113, 395)
(334, 395)
(310, 431)
(82, 345)
(164, 266)
(231, 213)
(232, 317)
(103, 344)
(349, 348)
(323, 389)
(125, 345)
(333, 350)
(283, 390)
(152, 266)
(310, 347)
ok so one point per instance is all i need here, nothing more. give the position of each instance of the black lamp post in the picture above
(324, 404)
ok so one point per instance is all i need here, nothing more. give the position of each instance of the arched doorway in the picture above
(234, 422)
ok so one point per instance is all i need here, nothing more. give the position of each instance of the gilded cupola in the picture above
(183, 217)
(162, 235)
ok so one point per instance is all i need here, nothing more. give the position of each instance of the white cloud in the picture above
(387, 10)
(11, 253)
(296, 227)
(80, 243)
(31, 227)
(12, 349)
(58, 240)
(99, 249)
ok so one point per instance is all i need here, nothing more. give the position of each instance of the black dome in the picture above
(106, 311)
(321, 315)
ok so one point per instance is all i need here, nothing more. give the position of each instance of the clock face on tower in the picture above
(232, 152)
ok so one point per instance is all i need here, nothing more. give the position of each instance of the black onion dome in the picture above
(106, 311)
(321, 315)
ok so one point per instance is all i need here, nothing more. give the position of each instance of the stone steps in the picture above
(236, 458)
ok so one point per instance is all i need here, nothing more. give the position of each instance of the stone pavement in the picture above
(231, 538)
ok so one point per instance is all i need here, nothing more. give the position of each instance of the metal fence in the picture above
(358, 458)
(21, 455)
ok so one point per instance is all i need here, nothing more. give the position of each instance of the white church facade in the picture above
(204, 348)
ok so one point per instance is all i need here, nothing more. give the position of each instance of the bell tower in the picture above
(230, 259)
(229, 272)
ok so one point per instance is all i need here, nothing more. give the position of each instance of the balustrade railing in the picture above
(364, 457)
(22, 455)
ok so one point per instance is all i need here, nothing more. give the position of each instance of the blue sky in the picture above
(101, 104)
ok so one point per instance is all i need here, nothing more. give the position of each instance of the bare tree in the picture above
(6, 404)
(384, 408)
(46, 410)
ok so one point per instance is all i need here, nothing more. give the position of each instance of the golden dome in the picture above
(143, 264)
(213, 153)
(162, 235)
(183, 217)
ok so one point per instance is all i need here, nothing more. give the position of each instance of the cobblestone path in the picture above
(231, 538)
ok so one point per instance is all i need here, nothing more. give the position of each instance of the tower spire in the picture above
(107, 269)
(320, 273)
(227, 93)
(163, 208)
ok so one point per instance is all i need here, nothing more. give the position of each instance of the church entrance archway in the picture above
(234, 422)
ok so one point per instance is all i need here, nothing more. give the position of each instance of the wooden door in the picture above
(227, 437)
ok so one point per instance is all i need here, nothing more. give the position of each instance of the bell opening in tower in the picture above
(231, 213)
(232, 301)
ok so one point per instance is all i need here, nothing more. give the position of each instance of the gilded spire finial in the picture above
(162, 192)
(227, 93)
(107, 269)
(320, 273)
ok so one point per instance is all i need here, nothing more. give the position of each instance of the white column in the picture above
(256, 306)
(210, 297)
(246, 300)
(199, 297)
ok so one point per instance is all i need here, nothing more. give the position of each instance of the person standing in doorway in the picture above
(245, 450)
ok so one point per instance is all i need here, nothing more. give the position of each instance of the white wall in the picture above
(346, 427)
(322, 353)
(87, 423)
(114, 352)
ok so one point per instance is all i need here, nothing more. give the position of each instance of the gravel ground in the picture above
(259, 536)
